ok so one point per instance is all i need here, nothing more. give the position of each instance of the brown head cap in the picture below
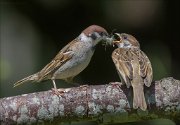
(130, 38)
(94, 28)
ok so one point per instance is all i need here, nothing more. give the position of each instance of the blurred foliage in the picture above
(5, 69)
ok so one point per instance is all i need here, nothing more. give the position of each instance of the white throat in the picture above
(122, 45)
(84, 38)
(88, 39)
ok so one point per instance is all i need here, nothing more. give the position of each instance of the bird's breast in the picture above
(79, 61)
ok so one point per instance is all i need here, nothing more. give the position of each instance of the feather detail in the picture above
(31, 78)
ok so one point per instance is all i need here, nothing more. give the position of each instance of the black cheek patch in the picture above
(93, 36)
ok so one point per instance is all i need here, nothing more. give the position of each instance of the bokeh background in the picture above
(33, 31)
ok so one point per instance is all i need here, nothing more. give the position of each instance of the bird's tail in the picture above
(31, 78)
(138, 97)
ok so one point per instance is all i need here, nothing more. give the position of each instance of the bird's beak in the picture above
(116, 41)
(119, 39)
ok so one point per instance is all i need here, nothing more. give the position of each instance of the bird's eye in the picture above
(93, 36)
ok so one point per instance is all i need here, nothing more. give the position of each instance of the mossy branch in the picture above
(103, 103)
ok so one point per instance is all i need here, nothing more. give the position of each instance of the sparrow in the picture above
(72, 59)
(133, 67)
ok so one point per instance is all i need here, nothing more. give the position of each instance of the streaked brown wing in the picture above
(122, 59)
(145, 67)
(62, 57)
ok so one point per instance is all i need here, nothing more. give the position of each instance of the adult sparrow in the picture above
(133, 66)
(72, 59)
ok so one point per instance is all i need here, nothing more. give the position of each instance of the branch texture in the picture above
(103, 103)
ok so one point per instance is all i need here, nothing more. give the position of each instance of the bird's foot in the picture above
(84, 86)
(58, 91)
(116, 84)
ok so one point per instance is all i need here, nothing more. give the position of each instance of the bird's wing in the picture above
(145, 67)
(122, 59)
(61, 58)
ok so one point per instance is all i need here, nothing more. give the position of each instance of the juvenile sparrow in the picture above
(72, 59)
(133, 66)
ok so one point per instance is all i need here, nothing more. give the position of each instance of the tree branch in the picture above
(103, 103)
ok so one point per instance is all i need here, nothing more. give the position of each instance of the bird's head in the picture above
(124, 40)
(94, 34)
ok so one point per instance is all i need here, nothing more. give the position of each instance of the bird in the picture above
(71, 59)
(133, 67)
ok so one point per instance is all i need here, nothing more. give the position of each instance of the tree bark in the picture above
(106, 104)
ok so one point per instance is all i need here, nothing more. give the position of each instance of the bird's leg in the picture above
(54, 84)
(84, 86)
(56, 91)
(118, 84)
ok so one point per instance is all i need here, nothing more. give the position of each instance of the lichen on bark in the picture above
(103, 103)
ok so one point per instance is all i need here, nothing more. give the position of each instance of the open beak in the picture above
(117, 41)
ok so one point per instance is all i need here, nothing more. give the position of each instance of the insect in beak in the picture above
(117, 39)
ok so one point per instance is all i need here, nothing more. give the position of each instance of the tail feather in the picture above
(138, 98)
(31, 78)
